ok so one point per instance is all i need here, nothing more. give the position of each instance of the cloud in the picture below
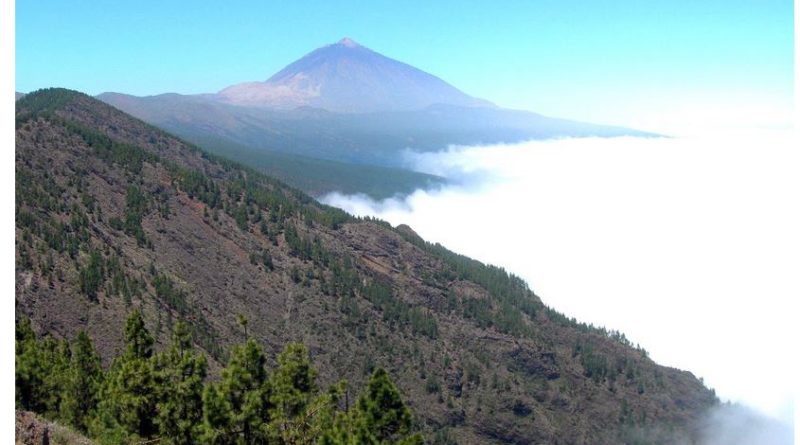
(688, 245)
(732, 424)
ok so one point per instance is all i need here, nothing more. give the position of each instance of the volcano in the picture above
(347, 77)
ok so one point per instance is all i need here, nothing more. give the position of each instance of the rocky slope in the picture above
(113, 214)
(30, 429)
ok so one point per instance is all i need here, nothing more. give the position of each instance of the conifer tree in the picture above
(180, 376)
(40, 366)
(294, 382)
(380, 415)
(28, 374)
(157, 398)
(236, 409)
(299, 415)
(217, 428)
(128, 400)
(56, 355)
(82, 383)
(138, 340)
(379, 418)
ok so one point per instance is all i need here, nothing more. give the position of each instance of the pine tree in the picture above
(311, 426)
(56, 355)
(380, 415)
(294, 381)
(128, 400)
(236, 409)
(27, 373)
(148, 398)
(40, 367)
(379, 418)
(217, 428)
(299, 415)
(82, 383)
(137, 338)
(180, 375)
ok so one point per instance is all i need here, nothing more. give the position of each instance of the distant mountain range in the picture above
(345, 103)
(376, 138)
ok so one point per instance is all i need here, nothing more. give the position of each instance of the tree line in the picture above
(166, 397)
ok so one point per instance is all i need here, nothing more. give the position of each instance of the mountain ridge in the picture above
(113, 213)
(376, 138)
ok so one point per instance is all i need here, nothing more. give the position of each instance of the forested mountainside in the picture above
(114, 215)
(297, 147)
(374, 138)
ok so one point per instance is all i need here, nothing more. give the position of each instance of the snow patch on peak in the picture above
(348, 42)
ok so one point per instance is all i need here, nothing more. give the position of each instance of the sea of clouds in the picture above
(690, 246)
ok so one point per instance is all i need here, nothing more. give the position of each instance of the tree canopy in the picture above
(166, 396)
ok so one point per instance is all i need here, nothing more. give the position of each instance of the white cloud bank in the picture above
(689, 246)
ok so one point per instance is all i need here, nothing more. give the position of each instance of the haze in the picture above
(612, 62)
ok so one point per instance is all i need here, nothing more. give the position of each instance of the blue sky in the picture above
(562, 58)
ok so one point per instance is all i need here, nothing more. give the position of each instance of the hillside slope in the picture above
(275, 143)
(376, 138)
(112, 214)
(31, 429)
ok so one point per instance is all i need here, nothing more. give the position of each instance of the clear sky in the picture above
(605, 61)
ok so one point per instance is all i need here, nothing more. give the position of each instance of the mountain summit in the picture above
(348, 42)
(348, 77)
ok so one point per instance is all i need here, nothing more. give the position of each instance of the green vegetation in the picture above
(43, 103)
(128, 156)
(344, 282)
(319, 176)
(135, 207)
(82, 381)
(164, 397)
(107, 225)
(250, 188)
(174, 300)
(167, 292)
(92, 276)
(181, 377)
(514, 302)
(39, 366)
(396, 311)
